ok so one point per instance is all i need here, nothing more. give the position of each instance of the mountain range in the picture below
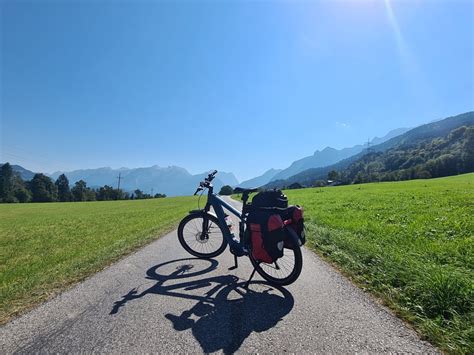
(174, 180)
(407, 140)
(320, 158)
(263, 179)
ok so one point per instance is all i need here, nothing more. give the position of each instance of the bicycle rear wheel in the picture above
(284, 270)
(198, 242)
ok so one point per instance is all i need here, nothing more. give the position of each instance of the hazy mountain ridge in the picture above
(172, 180)
(329, 156)
(412, 137)
(263, 179)
(25, 174)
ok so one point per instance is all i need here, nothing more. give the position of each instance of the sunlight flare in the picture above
(396, 28)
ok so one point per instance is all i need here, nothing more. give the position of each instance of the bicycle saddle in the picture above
(239, 190)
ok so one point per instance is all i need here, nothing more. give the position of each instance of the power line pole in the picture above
(369, 144)
(152, 192)
(119, 178)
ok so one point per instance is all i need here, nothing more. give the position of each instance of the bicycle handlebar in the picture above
(207, 182)
(211, 176)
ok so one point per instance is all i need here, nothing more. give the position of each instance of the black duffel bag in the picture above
(270, 199)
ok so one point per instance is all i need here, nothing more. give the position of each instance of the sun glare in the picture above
(396, 28)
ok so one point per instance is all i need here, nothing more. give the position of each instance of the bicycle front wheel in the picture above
(200, 241)
(284, 270)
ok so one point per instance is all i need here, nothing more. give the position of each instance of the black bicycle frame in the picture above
(218, 204)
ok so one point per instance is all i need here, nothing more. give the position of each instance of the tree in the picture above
(64, 193)
(295, 185)
(422, 174)
(138, 194)
(333, 175)
(23, 195)
(319, 183)
(160, 195)
(43, 189)
(90, 194)
(118, 194)
(105, 193)
(20, 189)
(226, 190)
(79, 191)
(6, 184)
(467, 155)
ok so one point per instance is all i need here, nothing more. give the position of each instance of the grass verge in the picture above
(410, 243)
(44, 248)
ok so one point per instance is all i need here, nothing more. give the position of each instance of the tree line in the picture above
(42, 188)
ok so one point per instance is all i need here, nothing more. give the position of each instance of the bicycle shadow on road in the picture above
(226, 313)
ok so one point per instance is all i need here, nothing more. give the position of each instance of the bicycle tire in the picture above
(185, 239)
(295, 273)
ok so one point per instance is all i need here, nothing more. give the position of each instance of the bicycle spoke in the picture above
(204, 242)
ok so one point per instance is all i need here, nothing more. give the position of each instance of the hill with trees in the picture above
(329, 156)
(320, 158)
(444, 146)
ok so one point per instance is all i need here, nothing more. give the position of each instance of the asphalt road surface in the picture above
(160, 299)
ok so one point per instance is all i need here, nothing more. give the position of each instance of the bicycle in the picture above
(206, 234)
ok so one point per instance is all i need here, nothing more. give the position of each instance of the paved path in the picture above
(162, 300)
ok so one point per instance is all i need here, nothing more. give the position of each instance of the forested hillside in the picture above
(436, 149)
(450, 155)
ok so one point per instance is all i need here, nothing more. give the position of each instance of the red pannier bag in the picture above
(267, 236)
(294, 220)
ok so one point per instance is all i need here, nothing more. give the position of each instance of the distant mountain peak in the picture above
(325, 150)
(329, 155)
(25, 174)
(258, 181)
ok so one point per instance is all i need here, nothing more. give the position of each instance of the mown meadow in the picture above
(410, 243)
(45, 247)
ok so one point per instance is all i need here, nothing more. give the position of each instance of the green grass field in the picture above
(46, 247)
(411, 243)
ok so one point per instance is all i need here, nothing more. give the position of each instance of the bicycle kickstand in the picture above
(236, 265)
(250, 278)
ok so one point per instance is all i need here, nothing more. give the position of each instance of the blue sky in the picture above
(238, 86)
